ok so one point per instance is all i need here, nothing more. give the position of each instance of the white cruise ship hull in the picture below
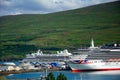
(76, 67)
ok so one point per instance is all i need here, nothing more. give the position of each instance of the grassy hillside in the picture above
(22, 34)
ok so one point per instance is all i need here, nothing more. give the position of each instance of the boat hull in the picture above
(76, 67)
(90, 70)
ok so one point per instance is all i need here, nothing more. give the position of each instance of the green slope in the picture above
(68, 29)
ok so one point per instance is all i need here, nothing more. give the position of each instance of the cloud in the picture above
(13, 7)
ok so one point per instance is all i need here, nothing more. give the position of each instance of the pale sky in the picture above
(15, 7)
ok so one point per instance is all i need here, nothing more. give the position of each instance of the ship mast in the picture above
(92, 44)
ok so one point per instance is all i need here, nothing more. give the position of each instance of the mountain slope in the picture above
(68, 29)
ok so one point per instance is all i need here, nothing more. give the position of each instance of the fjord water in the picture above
(98, 75)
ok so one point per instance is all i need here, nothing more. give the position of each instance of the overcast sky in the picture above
(14, 7)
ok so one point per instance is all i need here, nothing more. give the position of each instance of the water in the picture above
(99, 75)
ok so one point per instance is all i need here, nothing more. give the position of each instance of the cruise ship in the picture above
(39, 56)
(96, 59)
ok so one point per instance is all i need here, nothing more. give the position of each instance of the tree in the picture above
(61, 77)
(2, 78)
(50, 76)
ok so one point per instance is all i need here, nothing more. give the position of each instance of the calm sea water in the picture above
(100, 75)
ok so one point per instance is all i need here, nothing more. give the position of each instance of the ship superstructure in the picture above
(39, 56)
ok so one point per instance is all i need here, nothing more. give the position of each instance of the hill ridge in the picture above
(21, 34)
